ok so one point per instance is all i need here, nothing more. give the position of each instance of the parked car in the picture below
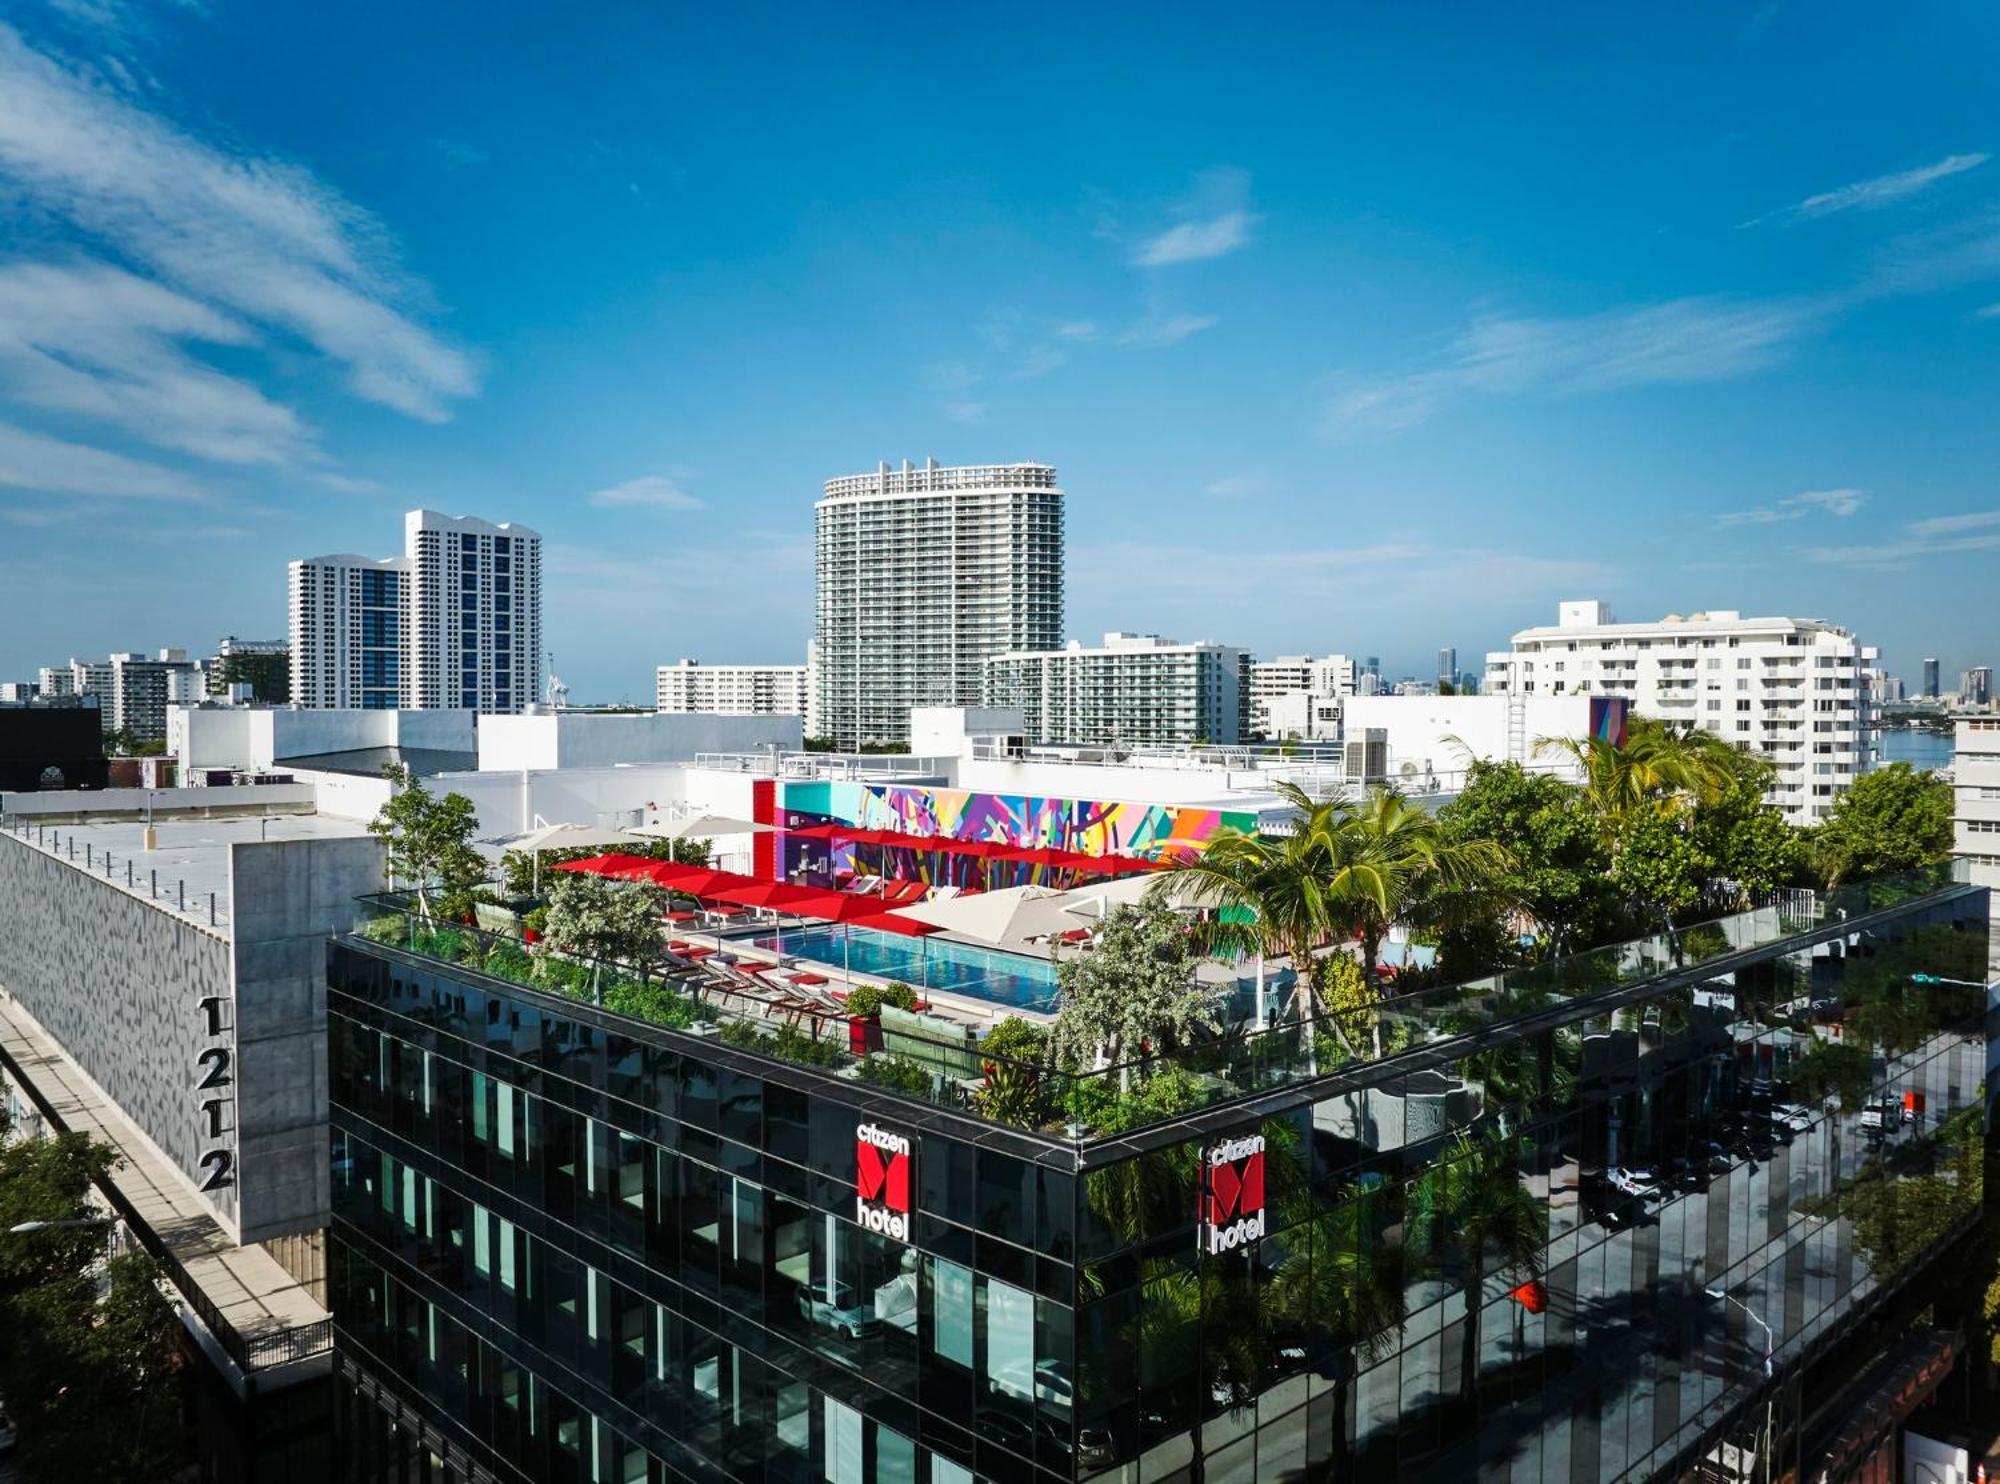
(1637, 1182)
(840, 1309)
(1094, 1448)
(1052, 1387)
(1692, 1172)
(1794, 1116)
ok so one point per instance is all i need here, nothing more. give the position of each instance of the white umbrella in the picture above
(699, 827)
(1010, 915)
(563, 837)
(1098, 900)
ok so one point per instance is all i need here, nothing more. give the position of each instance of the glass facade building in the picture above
(1580, 1237)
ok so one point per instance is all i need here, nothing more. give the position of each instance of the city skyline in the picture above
(1414, 384)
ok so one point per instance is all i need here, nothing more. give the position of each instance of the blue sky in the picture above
(1361, 328)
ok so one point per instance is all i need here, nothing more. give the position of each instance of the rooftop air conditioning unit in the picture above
(1366, 758)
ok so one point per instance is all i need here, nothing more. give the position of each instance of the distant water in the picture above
(1918, 749)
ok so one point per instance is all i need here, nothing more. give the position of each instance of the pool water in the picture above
(981, 973)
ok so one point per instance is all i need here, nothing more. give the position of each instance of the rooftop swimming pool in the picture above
(1011, 979)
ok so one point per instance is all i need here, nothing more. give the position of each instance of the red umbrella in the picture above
(818, 832)
(894, 922)
(751, 893)
(624, 867)
(840, 906)
(695, 881)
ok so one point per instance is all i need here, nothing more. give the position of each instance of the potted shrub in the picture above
(864, 1013)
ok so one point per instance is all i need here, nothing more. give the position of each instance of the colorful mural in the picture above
(1102, 828)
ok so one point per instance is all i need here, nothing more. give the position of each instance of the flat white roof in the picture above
(190, 861)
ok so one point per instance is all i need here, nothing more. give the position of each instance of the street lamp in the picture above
(1718, 1292)
(24, 1228)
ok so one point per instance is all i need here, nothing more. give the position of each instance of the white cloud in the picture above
(1923, 540)
(1990, 311)
(1945, 525)
(1236, 486)
(965, 412)
(1838, 502)
(94, 341)
(1081, 329)
(1681, 341)
(654, 490)
(253, 235)
(1038, 361)
(1340, 582)
(1169, 329)
(1191, 242)
(1216, 221)
(1866, 195)
(50, 466)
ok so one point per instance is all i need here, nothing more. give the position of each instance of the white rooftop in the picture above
(190, 861)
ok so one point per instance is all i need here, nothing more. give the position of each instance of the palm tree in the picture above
(1345, 872)
(1343, 1279)
(1658, 767)
(1391, 863)
(1266, 894)
(1477, 1198)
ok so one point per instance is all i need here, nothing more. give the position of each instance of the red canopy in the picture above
(695, 881)
(818, 832)
(753, 893)
(835, 906)
(891, 922)
(625, 867)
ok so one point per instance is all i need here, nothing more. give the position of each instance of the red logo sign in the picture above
(881, 1177)
(882, 1181)
(1233, 1195)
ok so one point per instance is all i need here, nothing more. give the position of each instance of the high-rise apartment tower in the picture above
(922, 575)
(455, 622)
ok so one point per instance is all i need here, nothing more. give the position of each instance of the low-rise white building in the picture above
(1975, 776)
(1792, 689)
(736, 690)
(1287, 695)
(1134, 690)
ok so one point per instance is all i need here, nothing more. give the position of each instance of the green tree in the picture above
(1389, 862)
(90, 1363)
(1663, 869)
(1560, 877)
(1655, 770)
(612, 922)
(1473, 1204)
(1265, 894)
(1015, 1089)
(429, 842)
(1893, 819)
(1346, 872)
(1133, 993)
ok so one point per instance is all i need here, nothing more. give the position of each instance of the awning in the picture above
(840, 906)
(1050, 856)
(695, 881)
(623, 867)
(895, 922)
(773, 894)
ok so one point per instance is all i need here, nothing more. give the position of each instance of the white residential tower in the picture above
(1792, 689)
(921, 575)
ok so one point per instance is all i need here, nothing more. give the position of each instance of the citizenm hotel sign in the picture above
(883, 1177)
(1232, 1194)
